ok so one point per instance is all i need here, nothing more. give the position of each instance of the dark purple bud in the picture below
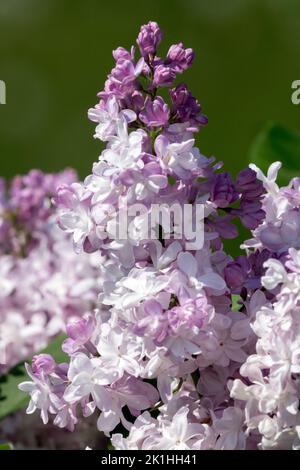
(185, 107)
(223, 191)
(251, 214)
(149, 38)
(248, 184)
(258, 259)
(224, 226)
(236, 272)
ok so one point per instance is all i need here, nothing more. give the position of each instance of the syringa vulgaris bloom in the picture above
(165, 353)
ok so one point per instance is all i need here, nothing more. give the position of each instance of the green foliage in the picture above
(11, 398)
(276, 143)
(6, 446)
(234, 302)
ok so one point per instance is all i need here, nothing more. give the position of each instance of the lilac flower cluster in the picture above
(269, 389)
(165, 349)
(42, 281)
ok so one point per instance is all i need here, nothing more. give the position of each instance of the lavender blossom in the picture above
(156, 113)
(165, 353)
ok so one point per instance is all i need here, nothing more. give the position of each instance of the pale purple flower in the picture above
(107, 115)
(40, 395)
(156, 113)
(182, 158)
(230, 430)
(74, 215)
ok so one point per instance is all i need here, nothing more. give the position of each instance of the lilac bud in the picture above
(81, 330)
(149, 37)
(180, 58)
(257, 260)
(134, 101)
(251, 213)
(236, 272)
(246, 177)
(224, 226)
(223, 191)
(248, 184)
(156, 113)
(163, 76)
(43, 363)
(182, 98)
(121, 81)
(185, 107)
(121, 53)
(123, 71)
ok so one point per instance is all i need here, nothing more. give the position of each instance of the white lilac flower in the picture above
(108, 117)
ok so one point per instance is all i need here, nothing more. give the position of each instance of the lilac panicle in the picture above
(166, 354)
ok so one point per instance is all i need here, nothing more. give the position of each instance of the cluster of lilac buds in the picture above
(165, 353)
(43, 283)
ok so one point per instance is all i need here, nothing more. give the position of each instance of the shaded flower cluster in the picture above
(42, 281)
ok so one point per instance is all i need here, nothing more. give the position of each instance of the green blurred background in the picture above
(55, 55)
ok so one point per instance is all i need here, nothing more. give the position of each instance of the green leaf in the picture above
(110, 446)
(171, 180)
(6, 446)
(276, 143)
(235, 306)
(11, 398)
